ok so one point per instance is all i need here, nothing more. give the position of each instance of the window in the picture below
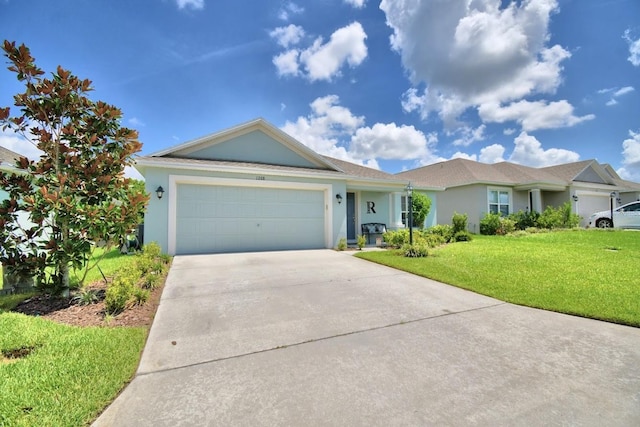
(500, 202)
(403, 209)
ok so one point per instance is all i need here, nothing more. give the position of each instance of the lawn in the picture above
(589, 273)
(59, 375)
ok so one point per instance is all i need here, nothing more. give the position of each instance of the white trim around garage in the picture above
(174, 180)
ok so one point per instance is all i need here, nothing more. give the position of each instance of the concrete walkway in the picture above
(323, 338)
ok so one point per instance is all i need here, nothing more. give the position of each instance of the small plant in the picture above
(342, 244)
(120, 294)
(416, 250)
(490, 224)
(396, 238)
(444, 230)
(151, 281)
(361, 241)
(462, 236)
(86, 297)
(459, 222)
(140, 296)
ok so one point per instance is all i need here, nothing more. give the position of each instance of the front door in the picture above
(351, 216)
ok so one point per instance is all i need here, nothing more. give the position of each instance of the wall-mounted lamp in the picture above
(339, 198)
(160, 192)
(574, 197)
(619, 200)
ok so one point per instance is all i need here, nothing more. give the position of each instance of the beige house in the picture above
(477, 188)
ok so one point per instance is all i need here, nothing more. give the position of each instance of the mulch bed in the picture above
(68, 311)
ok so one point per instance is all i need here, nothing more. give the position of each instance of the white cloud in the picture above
(624, 91)
(461, 155)
(136, 122)
(473, 52)
(492, 154)
(631, 157)
(615, 93)
(389, 141)
(18, 144)
(287, 63)
(359, 4)
(289, 9)
(287, 36)
(193, 4)
(470, 135)
(528, 151)
(323, 61)
(533, 115)
(634, 48)
(508, 131)
(611, 102)
(333, 130)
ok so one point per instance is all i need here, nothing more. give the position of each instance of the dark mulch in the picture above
(70, 312)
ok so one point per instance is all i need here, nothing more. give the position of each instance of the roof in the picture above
(8, 156)
(361, 171)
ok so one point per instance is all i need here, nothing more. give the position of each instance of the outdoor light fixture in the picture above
(159, 192)
(575, 197)
(339, 198)
(409, 190)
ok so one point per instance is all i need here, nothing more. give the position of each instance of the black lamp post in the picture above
(410, 209)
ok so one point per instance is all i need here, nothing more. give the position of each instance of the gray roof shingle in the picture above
(8, 156)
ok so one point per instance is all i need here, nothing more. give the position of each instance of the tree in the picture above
(76, 195)
(421, 206)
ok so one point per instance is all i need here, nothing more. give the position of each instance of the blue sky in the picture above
(391, 84)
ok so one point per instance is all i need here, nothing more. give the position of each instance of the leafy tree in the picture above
(76, 195)
(421, 206)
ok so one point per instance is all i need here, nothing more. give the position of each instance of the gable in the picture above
(253, 147)
(590, 175)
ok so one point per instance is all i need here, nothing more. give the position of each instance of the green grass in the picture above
(586, 273)
(71, 374)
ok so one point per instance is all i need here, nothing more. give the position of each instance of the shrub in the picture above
(151, 281)
(119, 295)
(396, 238)
(342, 244)
(490, 224)
(561, 217)
(433, 240)
(417, 250)
(444, 230)
(152, 250)
(421, 204)
(506, 226)
(459, 222)
(462, 236)
(140, 296)
(86, 297)
(525, 219)
(361, 241)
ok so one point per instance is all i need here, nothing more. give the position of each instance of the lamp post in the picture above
(410, 209)
(611, 197)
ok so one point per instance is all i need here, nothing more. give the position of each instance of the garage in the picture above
(231, 218)
(590, 203)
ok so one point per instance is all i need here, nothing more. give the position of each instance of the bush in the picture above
(490, 224)
(561, 217)
(417, 250)
(462, 236)
(421, 204)
(525, 219)
(396, 238)
(444, 230)
(459, 222)
(120, 294)
(361, 241)
(342, 244)
(433, 240)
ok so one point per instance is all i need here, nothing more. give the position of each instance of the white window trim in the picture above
(500, 189)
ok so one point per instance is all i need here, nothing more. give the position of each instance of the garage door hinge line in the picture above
(407, 322)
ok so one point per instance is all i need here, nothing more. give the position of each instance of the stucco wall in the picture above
(471, 199)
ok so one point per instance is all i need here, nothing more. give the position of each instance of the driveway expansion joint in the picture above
(300, 343)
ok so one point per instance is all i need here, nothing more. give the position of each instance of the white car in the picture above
(625, 216)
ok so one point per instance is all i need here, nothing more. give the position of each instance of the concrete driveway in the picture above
(323, 338)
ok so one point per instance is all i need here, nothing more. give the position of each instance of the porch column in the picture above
(536, 200)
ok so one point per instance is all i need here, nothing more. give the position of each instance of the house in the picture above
(254, 188)
(8, 160)
(477, 188)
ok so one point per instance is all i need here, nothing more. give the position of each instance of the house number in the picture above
(259, 178)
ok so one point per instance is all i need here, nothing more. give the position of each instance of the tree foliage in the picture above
(421, 206)
(75, 194)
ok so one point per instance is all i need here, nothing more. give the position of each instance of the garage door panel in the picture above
(213, 219)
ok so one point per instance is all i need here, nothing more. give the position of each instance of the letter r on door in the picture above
(371, 207)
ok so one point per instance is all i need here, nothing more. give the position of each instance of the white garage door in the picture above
(212, 219)
(588, 204)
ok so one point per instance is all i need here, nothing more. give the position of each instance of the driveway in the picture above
(323, 338)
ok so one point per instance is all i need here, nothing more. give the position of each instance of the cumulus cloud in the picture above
(333, 130)
(289, 9)
(528, 151)
(287, 36)
(533, 115)
(631, 157)
(492, 154)
(359, 4)
(190, 4)
(634, 48)
(470, 135)
(469, 53)
(323, 61)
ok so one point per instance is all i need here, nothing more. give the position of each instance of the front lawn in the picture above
(53, 374)
(589, 273)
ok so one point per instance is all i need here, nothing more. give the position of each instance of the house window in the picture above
(500, 202)
(403, 209)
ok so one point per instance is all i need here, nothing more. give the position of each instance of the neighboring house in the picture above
(8, 160)
(477, 188)
(254, 188)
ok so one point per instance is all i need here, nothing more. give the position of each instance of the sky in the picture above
(391, 84)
